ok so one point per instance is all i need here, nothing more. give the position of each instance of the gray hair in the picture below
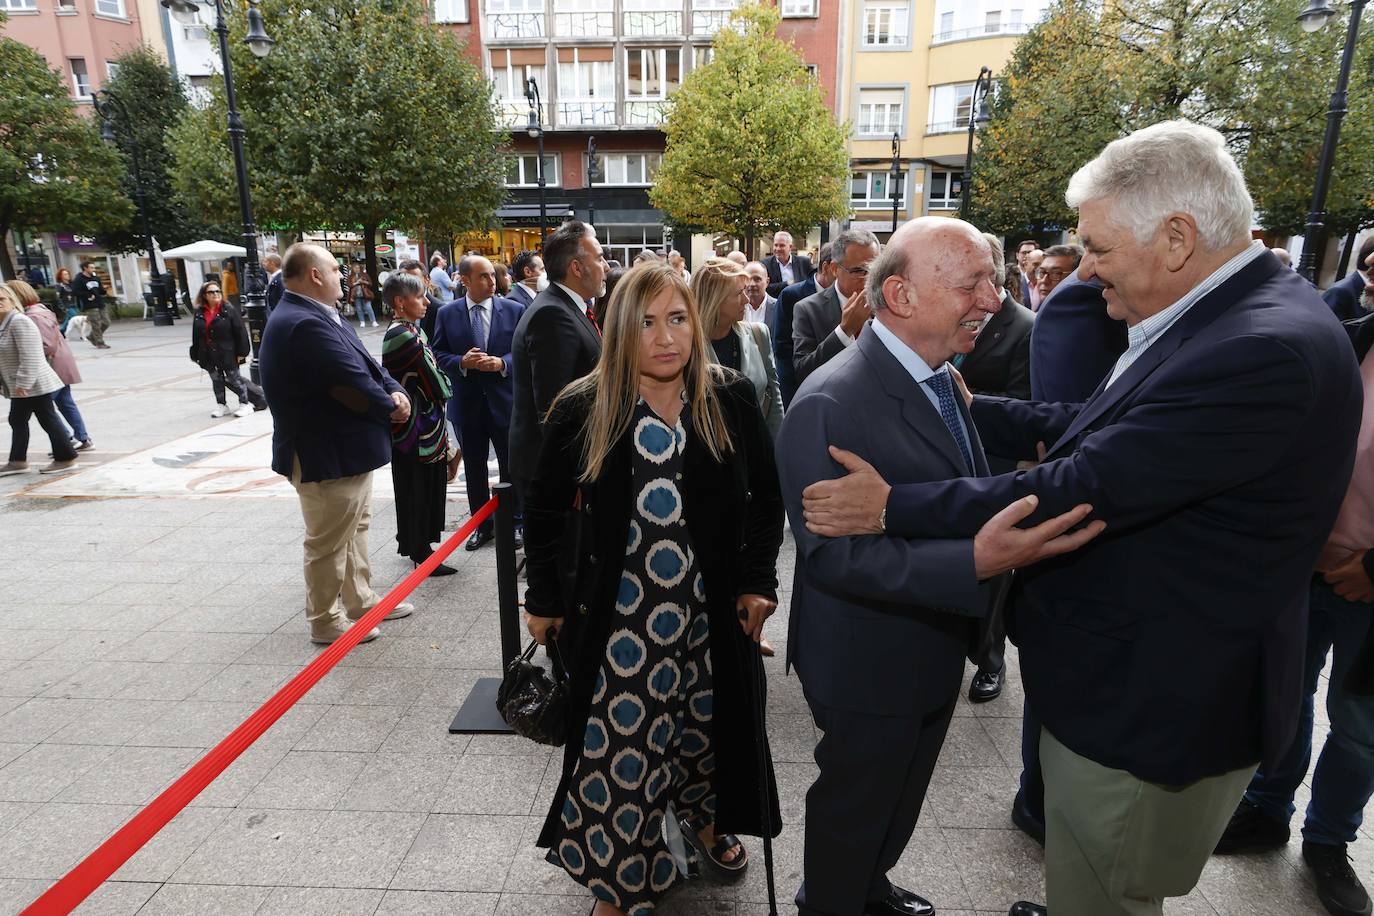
(894, 261)
(999, 258)
(1171, 167)
(839, 246)
(1069, 251)
(400, 283)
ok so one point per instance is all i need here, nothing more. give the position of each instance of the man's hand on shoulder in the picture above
(849, 505)
(402, 411)
(999, 546)
(1350, 581)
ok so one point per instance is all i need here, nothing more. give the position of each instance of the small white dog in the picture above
(77, 327)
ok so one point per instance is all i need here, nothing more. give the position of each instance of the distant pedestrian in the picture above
(66, 299)
(502, 279)
(439, 276)
(90, 299)
(272, 264)
(219, 345)
(362, 289)
(29, 382)
(59, 356)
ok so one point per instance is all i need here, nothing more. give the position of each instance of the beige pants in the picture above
(1116, 845)
(337, 515)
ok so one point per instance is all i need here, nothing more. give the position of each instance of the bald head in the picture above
(309, 270)
(757, 284)
(738, 257)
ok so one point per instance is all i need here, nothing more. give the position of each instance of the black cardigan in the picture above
(228, 340)
(734, 515)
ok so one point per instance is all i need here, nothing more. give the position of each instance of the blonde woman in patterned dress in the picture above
(667, 467)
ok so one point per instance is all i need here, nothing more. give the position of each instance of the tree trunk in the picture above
(749, 242)
(370, 252)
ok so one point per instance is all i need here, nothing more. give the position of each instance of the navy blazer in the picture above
(1172, 646)
(330, 399)
(801, 270)
(477, 392)
(1344, 297)
(521, 294)
(781, 329)
(1074, 343)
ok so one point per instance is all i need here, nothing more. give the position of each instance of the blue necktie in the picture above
(949, 412)
(479, 327)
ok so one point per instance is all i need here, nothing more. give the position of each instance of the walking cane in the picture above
(765, 796)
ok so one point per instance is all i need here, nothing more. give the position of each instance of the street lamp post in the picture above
(260, 43)
(894, 178)
(593, 175)
(107, 105)
(977, 114)
(1316, 15)
(536, 130)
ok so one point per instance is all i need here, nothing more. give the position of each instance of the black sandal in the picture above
(691, 832)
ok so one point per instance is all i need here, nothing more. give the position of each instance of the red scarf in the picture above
(211, 310)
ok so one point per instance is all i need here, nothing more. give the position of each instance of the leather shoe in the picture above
(987, 685)
(479, 537)
(899, 902)
(1026, 821)
(1251, 830)
(1026, 908)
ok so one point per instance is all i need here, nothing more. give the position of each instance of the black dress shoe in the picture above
(1026, 821)
(1026, 908)
(441, 570)
(1338, 887)
(899, 902)
(1251, 830)
(479, 537)
(987, 685)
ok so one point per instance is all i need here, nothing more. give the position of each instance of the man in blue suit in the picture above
(1165, 659)
(781, 326)
(1344, 297)
(472, 343)
(332, 408)
(527, 269)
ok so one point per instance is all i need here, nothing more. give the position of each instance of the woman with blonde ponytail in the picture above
(667, 462)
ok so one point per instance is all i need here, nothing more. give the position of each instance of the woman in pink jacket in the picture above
(60, 357)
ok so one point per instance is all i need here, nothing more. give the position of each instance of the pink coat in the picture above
(55, 347)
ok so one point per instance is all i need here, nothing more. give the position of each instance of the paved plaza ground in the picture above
(150, 601)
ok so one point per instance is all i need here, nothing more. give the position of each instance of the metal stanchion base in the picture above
(162, 321)
(478, 714)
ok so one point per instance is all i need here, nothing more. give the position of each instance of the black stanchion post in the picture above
(478, 714)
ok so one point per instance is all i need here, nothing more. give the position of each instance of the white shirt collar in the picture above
(910, 360)
(473, 303)
(572, 294)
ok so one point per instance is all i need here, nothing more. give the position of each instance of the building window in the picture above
(586, 86)
(584, 18)
(946, 23)
(813, 71)
(450, 10)
(950, 106)
(992, 22)
(880, 111)
(886, 25)
(510, 67)
(63, 6)
(959, 20)
(110, 8)
(653, 17)
(18, 5)
(651, 75)
(81, 80)
(200, 90)
(523, 171)
(798, 8)
(628, 168)
(622, 243)
(702, 55)
(873, 190)
(945, 188)
(111, 68)
(515, 19)
(709, 16)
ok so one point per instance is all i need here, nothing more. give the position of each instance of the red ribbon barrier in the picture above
(81, 881)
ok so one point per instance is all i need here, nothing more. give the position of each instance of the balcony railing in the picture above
(584, 25)
(515, 113)
(645, 112)
(1009, 28)
(947, 127)
(653, 22)
(710, 21)
(586, 113)
(515, 25)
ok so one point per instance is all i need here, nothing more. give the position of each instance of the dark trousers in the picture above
(477, 437)
(862, 809)
(40, 406)
(244, 390)
(1032, 790)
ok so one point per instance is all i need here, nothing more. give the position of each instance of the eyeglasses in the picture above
(209, 291)
(1055, 275)
(860, 271)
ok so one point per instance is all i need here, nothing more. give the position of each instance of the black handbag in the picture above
(533, 702)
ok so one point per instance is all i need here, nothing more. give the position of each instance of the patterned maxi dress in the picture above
(646, 756)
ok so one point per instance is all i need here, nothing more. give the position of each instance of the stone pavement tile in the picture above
(249, 683)
(507, 746)
(38, 718)
(12, 813)
(162, 855)
(117, 898)
(492, 785)
(26, 644)
(998, 867)
(792, 738)
(307, 779)
(381, 686)
(193, 723)
(1196, 905)
(451, 686)
(9, 750)
(283, 649)
(352, 728)
(168, 573)
(232, 786)
(793, 780)
(332, 689)
(49, 842)
(1239, 884)
(252, 847)
(433, 651)
(17, 893)
(576, 904)
(9, 703)
(971, 796)
(424, 730)
(42, 772)
(129, 776)
(111, 722)
(437, 903)
(1005, 735)
(461, 852)
(222, 900)
(927, 868)
(356, 849)
(138, 620)
(198, 618)
(99, 680)
(163, 646)
(171, 681)
(321, 901)
(398, 782)
(533, 875)
(785, 696)
(37, 676)
(967, 744)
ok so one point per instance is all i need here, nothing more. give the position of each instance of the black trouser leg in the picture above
(475, 437)
(41, 406)
(217, 382)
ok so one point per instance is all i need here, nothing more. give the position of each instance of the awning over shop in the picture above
(528, 214)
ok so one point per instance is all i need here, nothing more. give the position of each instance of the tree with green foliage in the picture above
(751, 146)
(55, 173)
(364, 116)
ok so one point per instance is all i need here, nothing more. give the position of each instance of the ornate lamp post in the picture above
(593, 176)
(260, 43)
(977, 114)
(1317, 14)
(108, 105)
(894, 178)
(536, 130)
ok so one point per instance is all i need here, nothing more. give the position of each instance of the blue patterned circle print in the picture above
(659, 502)
(663, 679)
(702, 702)
(572, 815)
(631, 873)
(599, 844)
(627, 769)
(654, 440)
(594, 739)
(594, 792)
(666, 623)
(660, 734)
(572, 857)
(630, 594)
(666, 564)
(627, 821)
(658, 781)
(599, 688)
(699, 588)
(627, 712)
(693, 742)
(636, 535)
(625, 652)
(603, 891)
(701, 628)
(662, 874)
